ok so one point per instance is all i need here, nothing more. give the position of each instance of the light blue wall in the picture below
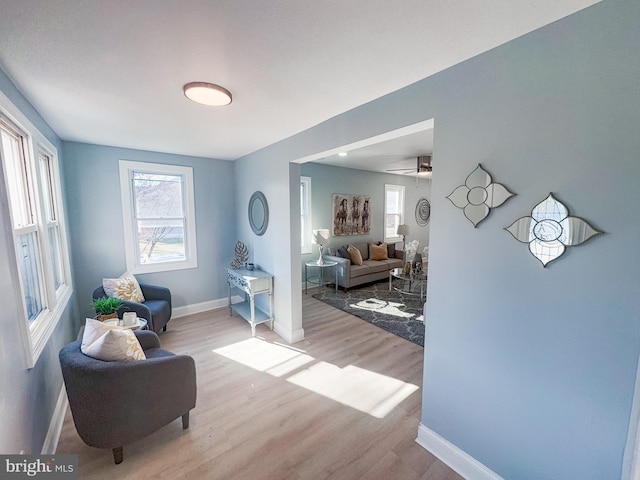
(531, 371)
(27, 397)
(327, 180)
(97, 235)
(278, 250)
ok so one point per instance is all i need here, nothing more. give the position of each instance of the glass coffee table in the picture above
(409, 284)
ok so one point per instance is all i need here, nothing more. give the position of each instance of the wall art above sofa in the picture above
(351, 214)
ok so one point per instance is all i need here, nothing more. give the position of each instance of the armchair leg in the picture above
(118, 455)
(164, 329)
(185, 421)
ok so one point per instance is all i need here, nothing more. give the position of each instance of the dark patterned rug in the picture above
(396, 312)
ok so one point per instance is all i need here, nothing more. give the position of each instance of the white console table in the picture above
(252, 283)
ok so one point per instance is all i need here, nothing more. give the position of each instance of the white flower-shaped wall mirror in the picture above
(550, 229)
(479, 195)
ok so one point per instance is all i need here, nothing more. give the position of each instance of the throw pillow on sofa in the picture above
(356, 256)
(342, 252)
(378, 252)
(391, 249)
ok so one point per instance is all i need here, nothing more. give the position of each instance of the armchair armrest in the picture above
(147, 339)
(343, 266)
(155, 292)
(99, 293)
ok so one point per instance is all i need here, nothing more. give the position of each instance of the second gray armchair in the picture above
(156, 308)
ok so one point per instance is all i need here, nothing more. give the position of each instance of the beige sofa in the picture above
(351, 275)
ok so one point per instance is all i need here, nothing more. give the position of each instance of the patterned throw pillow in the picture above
(356, 256)
(378, 252)
(110, 342)
(125, 287)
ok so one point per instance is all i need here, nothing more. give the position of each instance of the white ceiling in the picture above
(397, 156)
(111, 72)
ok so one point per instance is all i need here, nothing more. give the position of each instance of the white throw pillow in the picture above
(125, 287)
(110, 342)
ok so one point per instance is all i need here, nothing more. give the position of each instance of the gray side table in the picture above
(320, 280)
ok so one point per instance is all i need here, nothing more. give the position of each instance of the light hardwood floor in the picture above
(342, 404)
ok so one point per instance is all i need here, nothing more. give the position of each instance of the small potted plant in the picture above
(106, 308)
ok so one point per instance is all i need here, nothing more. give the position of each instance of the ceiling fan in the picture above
(423, 166)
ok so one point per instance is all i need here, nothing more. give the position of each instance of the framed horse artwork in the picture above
(351, 214)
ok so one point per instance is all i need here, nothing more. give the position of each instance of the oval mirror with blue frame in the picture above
(258, 213)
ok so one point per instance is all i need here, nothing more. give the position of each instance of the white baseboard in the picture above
(50, 444)
(287, 335)
(177, 312)
(458, 460)
(183, 311)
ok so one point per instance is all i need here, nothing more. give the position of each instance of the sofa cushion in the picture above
(393, 263)
(378, 252)
(342, 252)
(359, 270)
(355, 254)
(376, 266)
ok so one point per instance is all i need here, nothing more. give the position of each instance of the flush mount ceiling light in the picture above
(207, 94)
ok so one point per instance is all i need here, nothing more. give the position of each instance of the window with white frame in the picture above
(158, 209)
(32, 180)
(393, 211)
(306, 231)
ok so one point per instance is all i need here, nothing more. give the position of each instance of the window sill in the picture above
(161, 267)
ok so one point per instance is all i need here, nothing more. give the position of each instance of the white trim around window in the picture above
(175, 220)
(393, 211)
(305, 214)
(38, 224)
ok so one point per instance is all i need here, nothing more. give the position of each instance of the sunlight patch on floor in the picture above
(355, 387)
(367, 391)
(277, 360)
(382, 306)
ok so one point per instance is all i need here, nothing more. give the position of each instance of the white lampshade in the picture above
(403, 230)
(321, 236)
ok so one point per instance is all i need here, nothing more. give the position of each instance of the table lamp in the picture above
(321, 237)
(404, 231)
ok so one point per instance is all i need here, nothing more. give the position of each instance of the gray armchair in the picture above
(156, 308)
(117, 403)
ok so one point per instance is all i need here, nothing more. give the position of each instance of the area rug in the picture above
(395, 312)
